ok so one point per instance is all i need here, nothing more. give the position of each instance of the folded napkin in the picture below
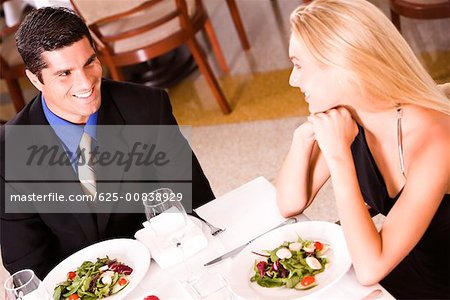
(168, 222)
(243, 212)
(163, 248)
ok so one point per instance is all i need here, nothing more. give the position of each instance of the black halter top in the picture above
(424, 273)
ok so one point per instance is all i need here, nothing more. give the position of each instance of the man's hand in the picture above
(334, 130)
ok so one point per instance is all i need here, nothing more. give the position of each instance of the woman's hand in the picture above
(334, 131)
(305, 133)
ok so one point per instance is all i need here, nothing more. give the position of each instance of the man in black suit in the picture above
(58, 51)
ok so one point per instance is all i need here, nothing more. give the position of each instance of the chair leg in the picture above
(206, 70)
(115, 72)
(215, 45)
(15, 93)
(396, 20)
(238, 24)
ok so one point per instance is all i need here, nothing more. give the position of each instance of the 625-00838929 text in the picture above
(104, 197)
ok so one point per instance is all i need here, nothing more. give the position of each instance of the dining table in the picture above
(243, 213)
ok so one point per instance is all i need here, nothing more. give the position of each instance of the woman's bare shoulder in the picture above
(430, 124)
(428, 136)
(425, 125)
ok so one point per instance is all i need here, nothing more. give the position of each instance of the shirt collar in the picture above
(69, 133)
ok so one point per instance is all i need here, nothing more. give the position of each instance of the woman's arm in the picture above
(375, 254)
(302, 174)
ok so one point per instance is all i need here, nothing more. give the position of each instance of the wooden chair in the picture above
(134, 31)
(238, 24)
(11, 65)
(419, 9)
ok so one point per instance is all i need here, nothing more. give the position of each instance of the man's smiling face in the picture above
(71, 81)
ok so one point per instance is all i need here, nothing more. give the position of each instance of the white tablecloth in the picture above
(244, 212)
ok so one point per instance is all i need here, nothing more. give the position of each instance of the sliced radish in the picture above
(309, 247)
(313, 263)
(103, 268)
(295, 246)
(283, 253)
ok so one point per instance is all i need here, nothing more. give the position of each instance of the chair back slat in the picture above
(140, 29)
(6, 31)
(123, 14)
(9, 56)
(95, 11)
(111, 16)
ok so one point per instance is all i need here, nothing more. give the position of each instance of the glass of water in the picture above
(25, 285)
(166, 215)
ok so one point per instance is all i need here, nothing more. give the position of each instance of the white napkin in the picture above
(168, 222)
(243, 212)
(164, 250)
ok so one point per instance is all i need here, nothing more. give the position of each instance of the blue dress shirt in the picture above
(70, 134)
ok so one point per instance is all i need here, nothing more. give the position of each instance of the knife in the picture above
(239, 249)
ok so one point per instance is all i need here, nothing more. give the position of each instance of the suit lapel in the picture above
(85, 220)
(109, 139)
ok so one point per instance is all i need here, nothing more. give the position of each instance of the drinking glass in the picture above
(169, 222)
(166, 215)
(25, 285)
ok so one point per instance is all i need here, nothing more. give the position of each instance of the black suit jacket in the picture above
(40, 240)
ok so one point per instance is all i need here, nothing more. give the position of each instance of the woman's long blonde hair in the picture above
(356, 37)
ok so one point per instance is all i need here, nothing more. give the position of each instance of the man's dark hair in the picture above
(48, 29)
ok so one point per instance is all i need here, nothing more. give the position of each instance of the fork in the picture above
(214, 230)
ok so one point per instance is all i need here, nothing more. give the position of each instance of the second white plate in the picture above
(325, 232)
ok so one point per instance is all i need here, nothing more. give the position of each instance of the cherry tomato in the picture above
(152, 297)
(71, 275)
(307, 280)
(73, 297)
(122, 281)
(318, 245)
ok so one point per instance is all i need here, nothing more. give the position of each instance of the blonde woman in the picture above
(379, 127)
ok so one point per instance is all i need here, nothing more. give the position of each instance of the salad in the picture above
(291, 265)
(91, 280)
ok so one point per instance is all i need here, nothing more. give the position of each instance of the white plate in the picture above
(127, 251)
(325, 232)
